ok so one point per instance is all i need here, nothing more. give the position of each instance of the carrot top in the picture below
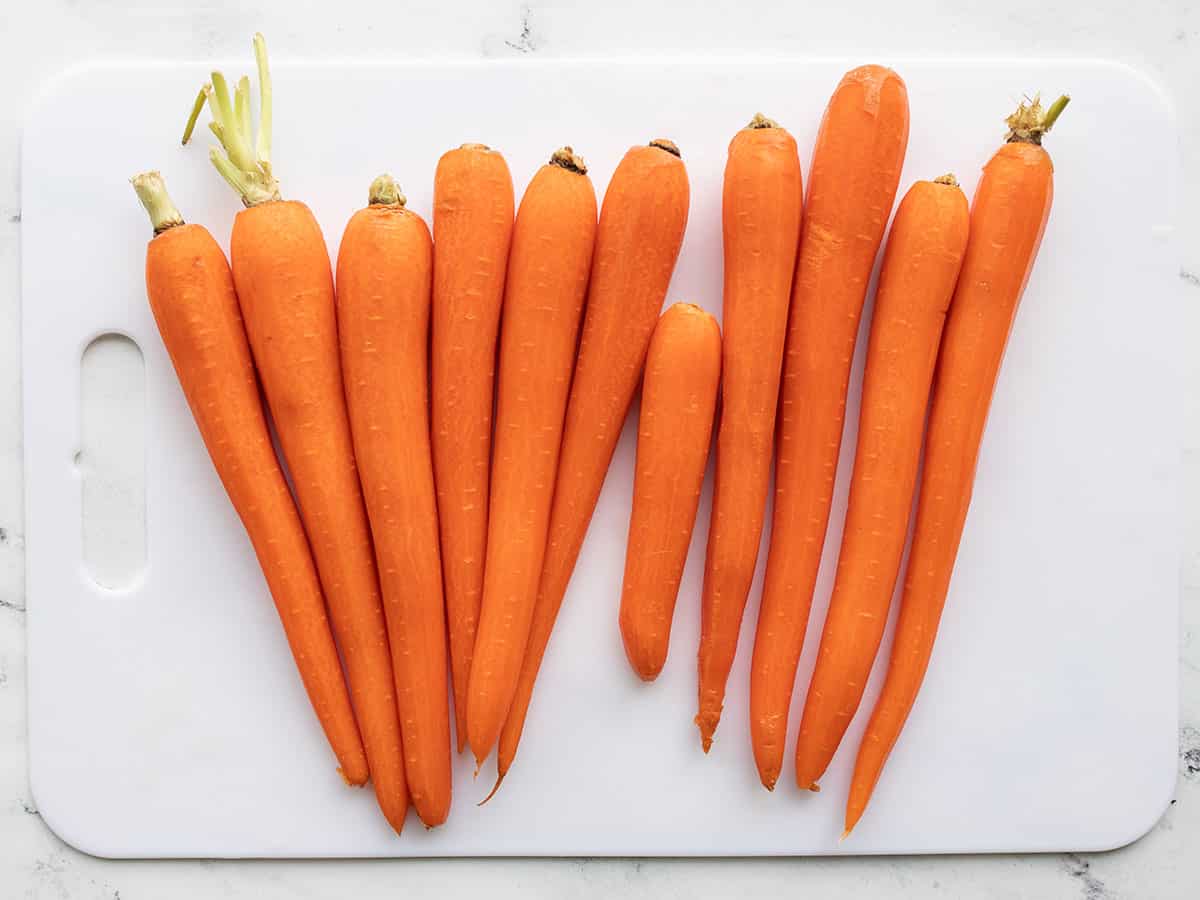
(246, 162)
(1031, 121)
(152, 191)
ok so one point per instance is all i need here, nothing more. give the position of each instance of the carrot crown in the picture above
(386, 192)
(761, 121)
(152, 191)
(1030, 122)
(246, 161)
(569, 160)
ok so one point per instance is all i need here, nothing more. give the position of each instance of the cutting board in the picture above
(165, 717)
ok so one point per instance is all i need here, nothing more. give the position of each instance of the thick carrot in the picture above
(191, 295)
(761, 211)
(920, 265)
(285, 288)
(1008, 217)
(384, 273)
(679, 398)
(852, 184)
(641, 230)
(472, 228)
(548, 267)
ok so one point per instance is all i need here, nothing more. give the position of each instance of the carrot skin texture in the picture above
(548, 268)
(1008, 217)
(472, 229)
(642, 221)
(920, 265)
(679, 399)
(384, 273)
(852, 184)
(191, 294)
(285, 289)
(761, 213)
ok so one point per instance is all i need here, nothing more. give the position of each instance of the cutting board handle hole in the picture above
(111, 461)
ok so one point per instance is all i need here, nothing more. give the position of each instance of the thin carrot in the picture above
(285, 288)
(924, 252)
(472, 228)
(679, 398)
(761, 214)
(1008, 217)
(191, 295)
(641, 230)
(384, 273)
(548, 267)
(852, 184)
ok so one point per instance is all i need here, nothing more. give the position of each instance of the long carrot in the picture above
(191, 295)
(285, 288)
(641, 230)
(920, 265)
(1008, 217)
(852, 184)
(472, 228)
(679, 398)
(548, 267)
(761, 213)
(384, 272)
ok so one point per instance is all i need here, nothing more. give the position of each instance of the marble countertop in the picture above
(37, 40)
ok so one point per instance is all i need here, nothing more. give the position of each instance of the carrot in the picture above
(548, 266)
(855, 171)
(921, 262)
(472, 228)
(641, 230)
(191, 295)
(384, 274)
(285, 288)
(1008, 217)
(761, 213)
(679, 398)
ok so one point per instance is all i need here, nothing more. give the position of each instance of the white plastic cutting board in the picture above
(166, 719)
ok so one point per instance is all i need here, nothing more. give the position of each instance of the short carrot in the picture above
(679, 398)
(285, 288)
(924, 252)
(1008, 217)
(384, 273)
(472, 228)
(191, 295)
(761, 212)
(548, 268)
(641, 230)
(852, 184)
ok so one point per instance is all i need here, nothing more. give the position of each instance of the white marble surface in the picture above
(1162, 38)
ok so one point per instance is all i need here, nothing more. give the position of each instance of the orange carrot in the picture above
(679, 398)
(384, 273)
(921, 262)
(852, 184)
(191, 294)
(548, 268)
(761, 218)
(641, 230)
(472, 227)
(1008, 217)
(285, 288)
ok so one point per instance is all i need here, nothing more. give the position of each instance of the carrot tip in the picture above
(845, 834)
(495, 787)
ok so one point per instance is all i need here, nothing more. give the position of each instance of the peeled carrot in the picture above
(1008, 217)
(679, 398)
(191, 295)
(384, 273)
(641, 230)
(548, 267)
(761, 212)
(285, 288)
(924, 251)
(472, 228)
(852, 184)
